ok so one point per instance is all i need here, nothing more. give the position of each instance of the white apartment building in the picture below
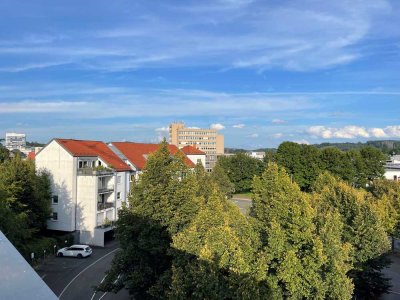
(90, 183)
(392, 168)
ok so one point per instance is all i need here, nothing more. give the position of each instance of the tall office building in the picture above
(15, 141)
(206, 140)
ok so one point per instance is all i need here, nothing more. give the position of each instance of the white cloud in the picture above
(278, 135)
(377, 132)
(217, 126)
(254, 135)
(240, 126)
(303, 141)
(278, 121)
(351, 132)
(31, 106)
(162, 129)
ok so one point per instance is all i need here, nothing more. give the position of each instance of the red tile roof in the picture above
(192, 150)
(31, 155)
(136, 152)
(94, 148)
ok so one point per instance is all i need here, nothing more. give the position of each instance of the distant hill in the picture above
(386, 146)
(34, 144)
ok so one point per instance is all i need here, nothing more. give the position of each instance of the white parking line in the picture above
(73, 279)
(100, 283)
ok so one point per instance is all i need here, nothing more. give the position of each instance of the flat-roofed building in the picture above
(206, 140)
(15, 141)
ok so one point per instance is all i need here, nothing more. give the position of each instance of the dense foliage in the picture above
(304, 163)
(241, 169)
(181, 238)
(25, 199)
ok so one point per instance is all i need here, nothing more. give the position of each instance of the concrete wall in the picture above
(62, 168)
(86, 202)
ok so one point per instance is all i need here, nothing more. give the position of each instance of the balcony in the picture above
(104, 206)
(105, 218)
(106, 189)
(95, 172)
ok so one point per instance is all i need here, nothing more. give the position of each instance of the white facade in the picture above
(257, 155)
(392, 168)
(195, 158)
(85, 199)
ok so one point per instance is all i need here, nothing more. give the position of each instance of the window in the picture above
(54, 216)
(99, 163)
(80, 165)
(118, 179)
(119, 195)
(55, 199)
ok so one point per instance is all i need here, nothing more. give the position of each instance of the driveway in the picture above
(243, 204)
(393, 272)
(72, 278)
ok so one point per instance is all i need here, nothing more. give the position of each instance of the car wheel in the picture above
(60, 254)
(79, 256)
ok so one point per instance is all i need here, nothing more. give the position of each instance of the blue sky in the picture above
(260, 71)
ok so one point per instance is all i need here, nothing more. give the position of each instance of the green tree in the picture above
(215, 256)
(219, 177)
(162, 203)
(363, 229)
(337, 163)
(25, 200)
(304, 255)
(4, 154)
(302, 162)
(241, 169)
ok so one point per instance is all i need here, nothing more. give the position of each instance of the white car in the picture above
(79, 251)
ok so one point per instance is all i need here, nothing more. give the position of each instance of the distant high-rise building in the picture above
(206, 140)
(15, 141)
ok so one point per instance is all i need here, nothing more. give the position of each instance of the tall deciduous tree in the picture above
(215, 256)
(363, 229)
(303, 260)
(241, 169)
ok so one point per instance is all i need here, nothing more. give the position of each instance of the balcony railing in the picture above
(95, 172)
(103, 206)
(106, 189)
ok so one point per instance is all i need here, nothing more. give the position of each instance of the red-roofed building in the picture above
(31, 155)
(136, 154)
(90, 183)
(195, 155)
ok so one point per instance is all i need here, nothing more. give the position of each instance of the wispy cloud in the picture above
(204, 33)
(278, 121)
(239, 126)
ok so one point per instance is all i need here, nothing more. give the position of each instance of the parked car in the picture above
(79, 251)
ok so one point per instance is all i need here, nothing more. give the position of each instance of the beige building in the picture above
(206, 140)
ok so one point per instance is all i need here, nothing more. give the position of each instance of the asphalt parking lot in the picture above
(73, 278)
(243, 204)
